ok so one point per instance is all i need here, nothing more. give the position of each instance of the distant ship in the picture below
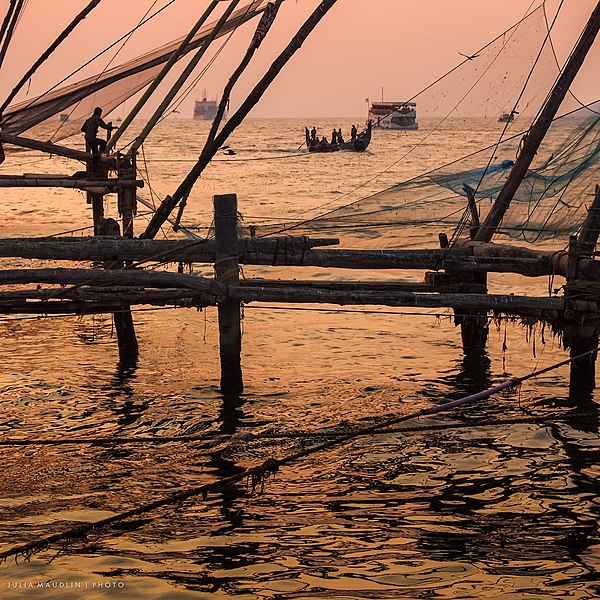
(206, 110)
(393, 115)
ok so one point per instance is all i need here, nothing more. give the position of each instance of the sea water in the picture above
(499, 501)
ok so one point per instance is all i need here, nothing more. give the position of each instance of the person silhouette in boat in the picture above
(353, 132)
(334, 136)
(93, 143)
(323, 143)
(340, 138)
(313, 134)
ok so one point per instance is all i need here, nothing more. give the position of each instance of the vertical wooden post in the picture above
(582, 338)
(126, 338)
(227, 271)
(588, 236)
(127, 209)
(95, 169)
(579, 336)
(126, 197)
(474, 323)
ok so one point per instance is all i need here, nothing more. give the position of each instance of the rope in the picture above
(274, 435)
(123, 37)
(257, 475)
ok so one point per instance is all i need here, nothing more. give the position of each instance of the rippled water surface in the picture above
(498, 500)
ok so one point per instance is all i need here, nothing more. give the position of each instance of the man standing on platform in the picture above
(93, 143)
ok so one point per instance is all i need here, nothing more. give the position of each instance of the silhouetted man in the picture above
(93, 143)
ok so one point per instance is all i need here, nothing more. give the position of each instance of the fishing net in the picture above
(40, 117)
(513, 75)
(551, 201)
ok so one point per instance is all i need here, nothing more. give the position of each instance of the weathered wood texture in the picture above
(102, 185)
(291, 294)
(227, 273)
(298, 251)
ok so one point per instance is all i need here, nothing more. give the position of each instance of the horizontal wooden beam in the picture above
(540, 307)
(113, 248)
(300, 251)
(28, 181)
(50, 148)
(283, 251)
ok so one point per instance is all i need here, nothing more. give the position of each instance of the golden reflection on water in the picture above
(474, 509)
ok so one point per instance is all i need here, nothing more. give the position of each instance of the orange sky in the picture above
(360, 48)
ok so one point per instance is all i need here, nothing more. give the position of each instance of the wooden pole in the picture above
(126, 197)
(227, 272)
(578, 335)
(588, 236)
(539, 128)
(95, 170)
(299, 251)
(126, 338)
(170, 202)
(177, 54)
(15, 12)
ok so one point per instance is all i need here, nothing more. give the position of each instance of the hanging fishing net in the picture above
(40, 117)
(551, 202)
(512, 75)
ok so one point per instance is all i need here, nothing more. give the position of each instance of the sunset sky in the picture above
(361, 48)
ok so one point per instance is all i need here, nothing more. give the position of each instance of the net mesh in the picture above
(513, 74)
(40, 116)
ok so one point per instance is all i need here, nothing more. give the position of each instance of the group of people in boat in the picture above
(337, 138)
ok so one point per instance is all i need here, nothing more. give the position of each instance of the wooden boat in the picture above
(359, 144)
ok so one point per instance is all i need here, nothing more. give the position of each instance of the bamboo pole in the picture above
(153, 120)
(262, 29)
(170, 202)
(539, 128)
(50, 148)
(7, 19)
(15, 14)
(160, 77)
(227, 273)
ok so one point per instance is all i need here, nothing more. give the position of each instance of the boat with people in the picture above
(400, 116)
(358, 142)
